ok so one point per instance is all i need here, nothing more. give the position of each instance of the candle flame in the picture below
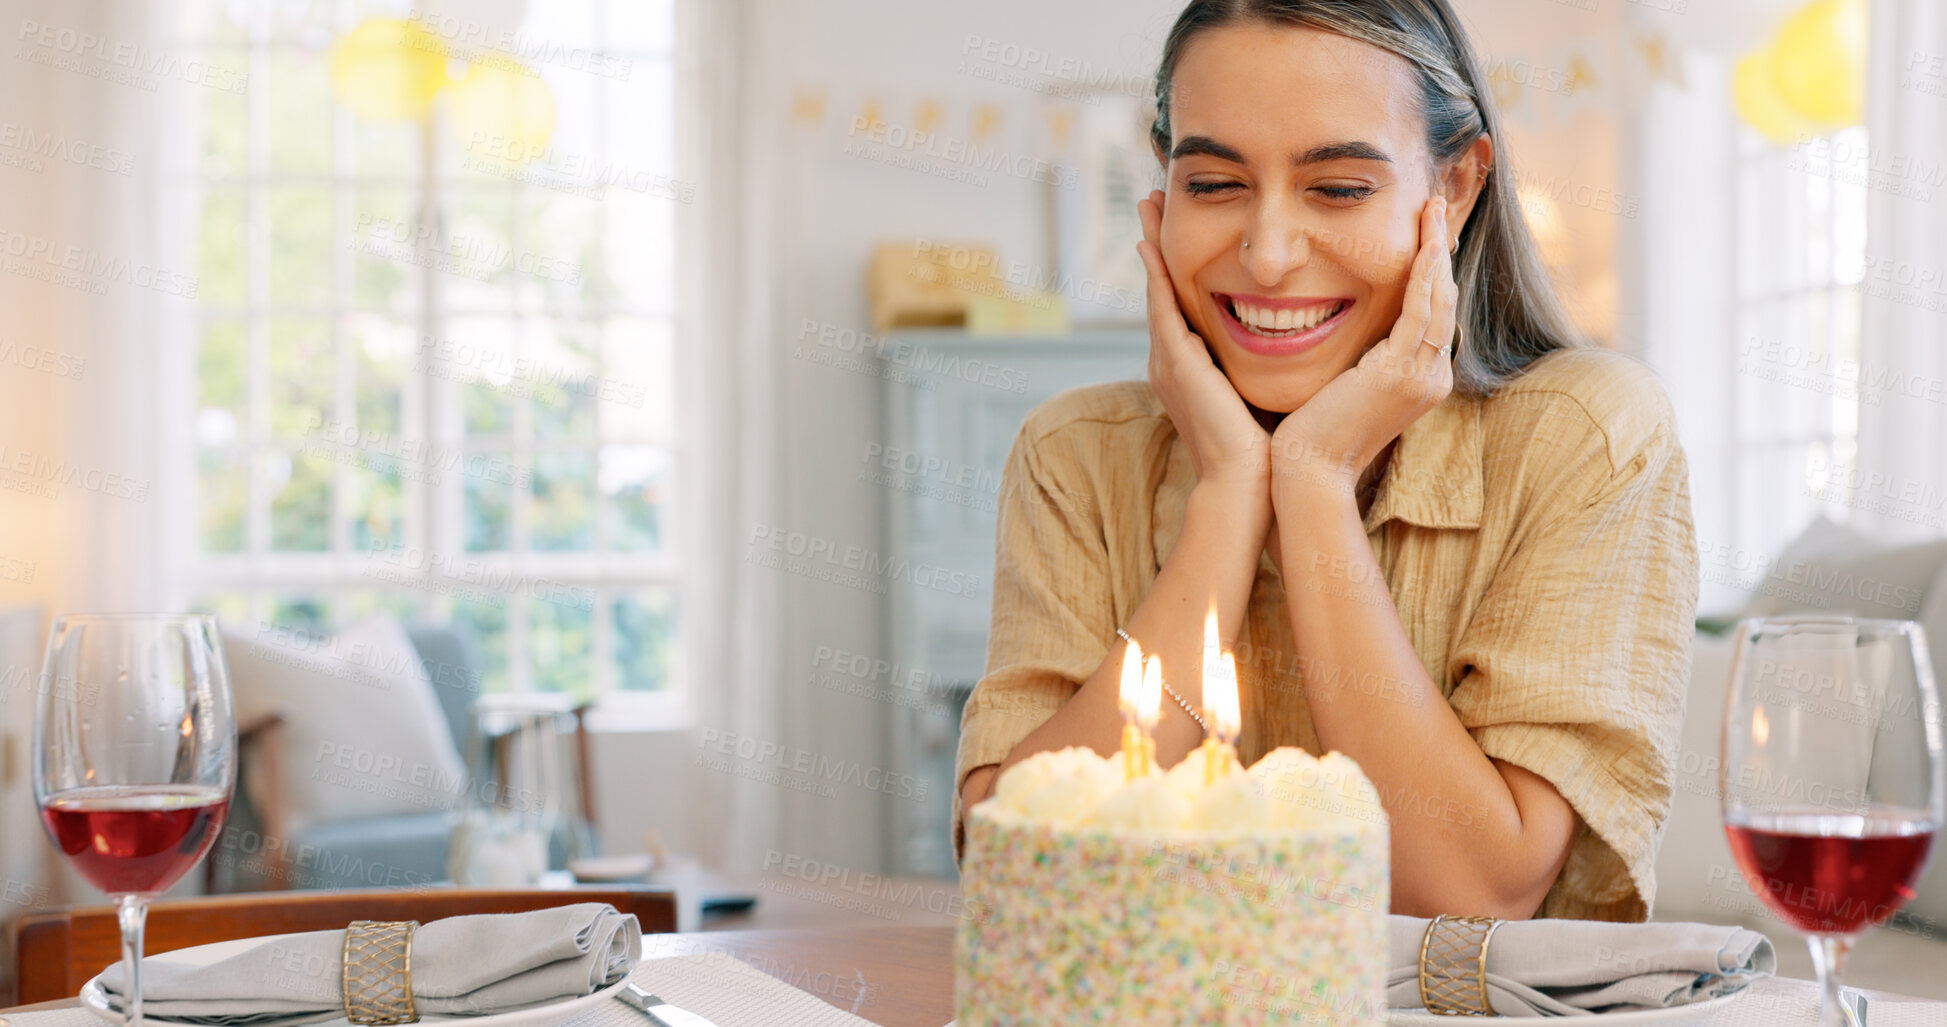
(1212, 651)
(1229, 722)
(1220, 702)
(1149, 707)
(1130, 694)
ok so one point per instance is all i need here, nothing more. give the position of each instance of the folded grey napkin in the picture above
(1577, 967)
(463, 965)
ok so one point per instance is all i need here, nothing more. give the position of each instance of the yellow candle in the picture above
(1149, 708)
(1220, 703)
(1224, 704)
(1134, 764)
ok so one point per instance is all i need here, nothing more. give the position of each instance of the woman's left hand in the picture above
(1342, 429)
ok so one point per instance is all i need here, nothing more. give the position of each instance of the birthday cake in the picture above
(1207, 894)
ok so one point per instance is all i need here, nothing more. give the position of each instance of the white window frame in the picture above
(1799, 223)
(429, 410)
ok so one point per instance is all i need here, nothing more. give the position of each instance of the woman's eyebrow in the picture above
(1191, 146)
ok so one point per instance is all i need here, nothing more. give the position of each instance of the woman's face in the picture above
(1309, 145)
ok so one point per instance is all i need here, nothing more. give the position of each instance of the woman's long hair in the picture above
(1509, 313)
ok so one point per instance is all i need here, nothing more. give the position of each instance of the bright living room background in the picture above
(462, 416)
(234, 421)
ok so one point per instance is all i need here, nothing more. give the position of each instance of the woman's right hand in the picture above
(1226, 443)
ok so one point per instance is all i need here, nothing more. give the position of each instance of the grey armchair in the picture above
(260, 851)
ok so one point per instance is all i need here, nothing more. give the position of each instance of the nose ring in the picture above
(1247, 244)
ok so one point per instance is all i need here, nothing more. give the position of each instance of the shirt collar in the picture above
(1434, 477)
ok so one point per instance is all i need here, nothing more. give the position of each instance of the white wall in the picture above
(840, 205)
(639, 790)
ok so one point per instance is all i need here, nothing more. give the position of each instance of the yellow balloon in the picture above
(502, 109)
(387, 68)
(1821, 62)
(1754, 86)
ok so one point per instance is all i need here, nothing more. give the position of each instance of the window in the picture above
(1801, 238)
(430, 379)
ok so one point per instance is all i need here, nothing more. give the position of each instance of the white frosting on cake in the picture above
(1311, 794)
(1343, 776)
(1188, 777)
(1288, 790)
(1061, 787)
(1236, 804)
(1147, 805)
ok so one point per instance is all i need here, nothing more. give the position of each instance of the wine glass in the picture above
(1830, 770)
(134, 757)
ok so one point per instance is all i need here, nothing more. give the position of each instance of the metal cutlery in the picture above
(1854, 1005)
(658, 1011)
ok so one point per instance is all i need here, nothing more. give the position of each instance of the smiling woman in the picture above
(1387, 97)
(1468, 563)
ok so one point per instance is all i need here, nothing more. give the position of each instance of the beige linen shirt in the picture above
(1537, 544)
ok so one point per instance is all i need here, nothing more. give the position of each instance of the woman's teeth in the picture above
(1266, 321)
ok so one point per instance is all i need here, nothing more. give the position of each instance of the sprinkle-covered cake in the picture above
(1199, 895)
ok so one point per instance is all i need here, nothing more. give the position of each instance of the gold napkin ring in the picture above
(377, 977)
(1453, 965)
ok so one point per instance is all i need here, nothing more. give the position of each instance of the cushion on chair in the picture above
(452, 661)
(364, 733)
(407, 851)
(1831, 568)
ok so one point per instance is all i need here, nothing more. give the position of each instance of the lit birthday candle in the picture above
(1135, 757)
(1228, 720)
(1149, 708)
(1220, 703)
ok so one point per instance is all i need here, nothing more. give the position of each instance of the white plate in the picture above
(96, 1000)
(1692, 1013)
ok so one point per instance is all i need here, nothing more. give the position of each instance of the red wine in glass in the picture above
(134, 759)
(1832, 874)
(1833, 774)
(135, 839)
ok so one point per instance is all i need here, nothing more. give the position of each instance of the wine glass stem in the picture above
(132, 911)
(1829, 957)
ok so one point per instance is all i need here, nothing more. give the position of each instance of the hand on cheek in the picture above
(1182, 284)
(1332, 438)
(1403, 242)
(1225, 443)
